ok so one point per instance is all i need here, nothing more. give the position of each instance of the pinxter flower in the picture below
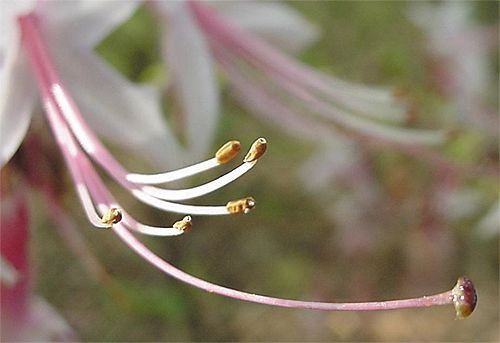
(78, 142)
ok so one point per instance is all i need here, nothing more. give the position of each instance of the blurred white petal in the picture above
(41, 324)
(464, 47)
(8, 274)
(85, 23)
(192, 76)
(457, 204)
(9, 10)
(336, 156)
(277, 23)
(120, 111)
(17, 96)
(489, 226)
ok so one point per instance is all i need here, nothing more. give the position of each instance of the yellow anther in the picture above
(228, 151)
(257, 149)
(112, 216)
(184, 225)
(240, 206)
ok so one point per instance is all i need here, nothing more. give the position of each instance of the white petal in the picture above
(83, 23)
(120, 111)
(17, 97)
(336, 156)
(192, 72)
(489, 226)
(9, 11)
(278, 23)
(45, 324)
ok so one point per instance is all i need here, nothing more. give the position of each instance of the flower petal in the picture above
(17, 97)
(277, 23)
(122, 112)
(43, 324)
(83, 23)
(192, 73)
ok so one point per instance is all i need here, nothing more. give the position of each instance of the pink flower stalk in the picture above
(76, 140)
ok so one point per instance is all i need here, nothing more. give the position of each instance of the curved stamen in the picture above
(179, 208)
(105, 201)
(178, 174)
(71, 152)
(190, 193)
(225, 154)
(149, 230)
(256, 151)
(63, 105)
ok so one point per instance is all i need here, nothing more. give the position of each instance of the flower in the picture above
(77, 142)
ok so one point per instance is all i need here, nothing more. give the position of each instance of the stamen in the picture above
(190, 193)
(184, 225)
(240, 206)
(257, 149)
(227, 152)
(179, 208)
(111, 216)
(154, 179)
(134, 225)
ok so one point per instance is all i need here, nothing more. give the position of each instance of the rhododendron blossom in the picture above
(55, 43)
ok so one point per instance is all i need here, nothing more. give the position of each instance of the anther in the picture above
(227, 152)
(257, 149)
(112, 216)
(184, 225)
(240, 206)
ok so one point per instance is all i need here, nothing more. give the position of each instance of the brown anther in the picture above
(257, 149)
(240, 206)
(464, 297)
(112, 216)
(184, 225)
(228, 151)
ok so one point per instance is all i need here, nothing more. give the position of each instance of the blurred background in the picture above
(408, 228)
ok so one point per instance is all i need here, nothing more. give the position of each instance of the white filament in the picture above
(179, 208)
(154, 179)
(190, 193)
(142, 228)
(88, 206)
